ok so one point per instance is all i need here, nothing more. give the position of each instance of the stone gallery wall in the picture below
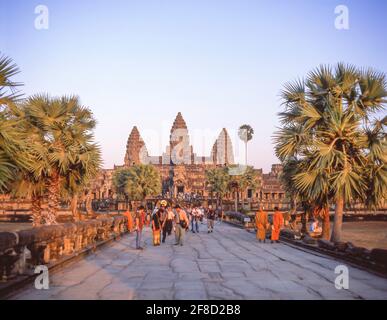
(23, 250)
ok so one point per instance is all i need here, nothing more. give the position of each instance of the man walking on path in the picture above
(168, 223)
(195, 219)
(278, 221)
(261, 222)
(210, 219)
(140, 221)
(182, 224)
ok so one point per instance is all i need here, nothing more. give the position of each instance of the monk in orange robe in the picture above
(128, 215)
(261, 221)
(278, 222)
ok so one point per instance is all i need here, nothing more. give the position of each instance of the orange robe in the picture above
(261, 221)
(128, 215)
(278, 221)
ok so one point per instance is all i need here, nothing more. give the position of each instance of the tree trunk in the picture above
(236, 201)
(338, 221)
(74, 208)
(36, 211)
(89, 208)
(53, 189)
(326, 226)
(246, 153)
(303, 221)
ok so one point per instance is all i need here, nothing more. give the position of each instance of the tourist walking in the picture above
(139, 225)
(168, 222)
(261, 222)
(219, 214)
(211, 216)
(195, 219)
(278, 222)
(182, 224)
(156, 226)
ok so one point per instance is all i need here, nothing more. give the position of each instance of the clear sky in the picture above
(222, 63)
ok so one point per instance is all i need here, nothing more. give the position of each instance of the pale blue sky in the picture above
(221, 63)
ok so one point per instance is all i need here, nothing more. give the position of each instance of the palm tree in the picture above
(248, 180)
(61, 130)
(11, 138)
(218, 180)
(246, 134)
(143, 181)
(325, 127)
(84, 168)
(120, 180)
(8, 92)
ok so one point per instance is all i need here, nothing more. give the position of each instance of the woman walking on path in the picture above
(139, 225)
(156, 227)
(211, 216)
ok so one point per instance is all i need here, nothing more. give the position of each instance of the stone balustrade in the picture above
(375, 259)
(19, 251)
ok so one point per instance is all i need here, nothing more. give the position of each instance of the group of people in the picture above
(165, 218)
(263, 225)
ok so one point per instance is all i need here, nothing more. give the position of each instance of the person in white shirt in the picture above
(168, 223)
(195, 219)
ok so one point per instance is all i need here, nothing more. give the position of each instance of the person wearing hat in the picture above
(182, 223)
(156, 226)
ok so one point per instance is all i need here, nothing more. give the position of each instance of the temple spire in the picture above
(135, 147)
(179, 123)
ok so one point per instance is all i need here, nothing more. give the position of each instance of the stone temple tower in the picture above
(136, 151)
(222, 151)
(179, 151)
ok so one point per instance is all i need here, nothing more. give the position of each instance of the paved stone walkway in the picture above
(227, 264)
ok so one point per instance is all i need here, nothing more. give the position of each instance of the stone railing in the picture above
(19, 251)
(375, 259)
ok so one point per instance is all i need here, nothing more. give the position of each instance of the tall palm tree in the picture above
(248, 180)
(61, 130)
(143, 181)
(323, 127)
(218, 180)
(82, 170)
(246, 133)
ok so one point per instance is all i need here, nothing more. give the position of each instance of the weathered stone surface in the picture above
(248, 270)
(309, 240)
(358, 251)
(341, 246)
(379, 255)
(325, 244)
(288, 234)
(48, 244)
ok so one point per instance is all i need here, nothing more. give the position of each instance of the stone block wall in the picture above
(49, 244)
